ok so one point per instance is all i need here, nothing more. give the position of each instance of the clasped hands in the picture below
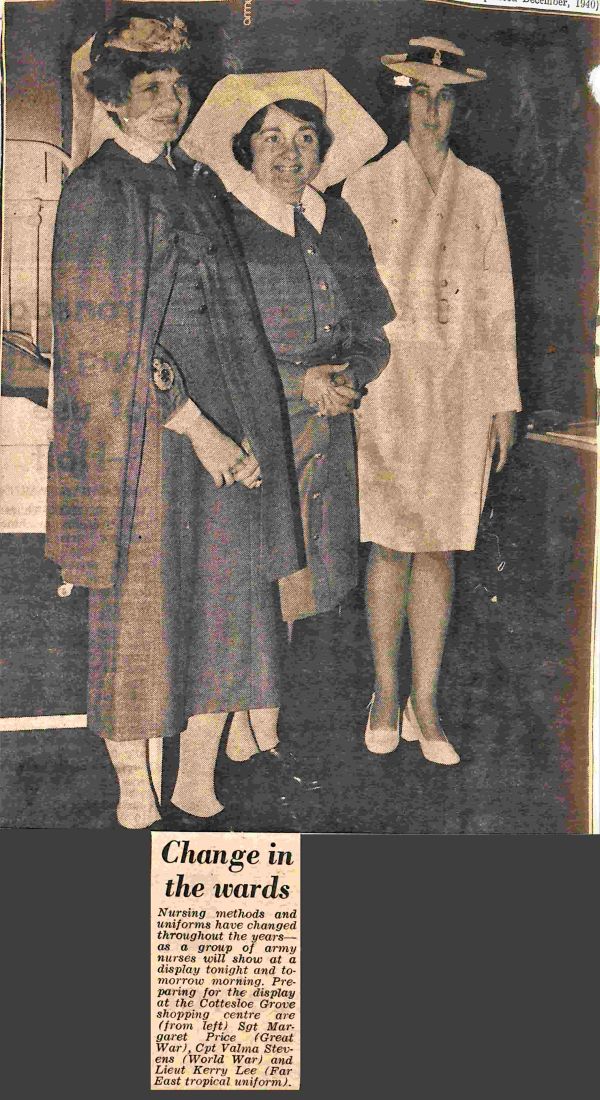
(225, 460)
(329, 397)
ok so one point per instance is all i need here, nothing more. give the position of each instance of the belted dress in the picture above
(153, 308)
(425, 426)
(321, 301)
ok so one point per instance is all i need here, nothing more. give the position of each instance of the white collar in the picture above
(138, 148)
(277, 213)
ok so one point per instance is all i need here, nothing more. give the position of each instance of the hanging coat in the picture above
(425, 424)
(152, 307)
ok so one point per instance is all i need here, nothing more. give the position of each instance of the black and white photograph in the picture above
(298, 417)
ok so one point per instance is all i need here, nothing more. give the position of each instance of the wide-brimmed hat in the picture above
(150, 35)
(433, 60)
(235, 99)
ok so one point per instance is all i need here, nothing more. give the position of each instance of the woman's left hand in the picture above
(503, 436)
(329, 390)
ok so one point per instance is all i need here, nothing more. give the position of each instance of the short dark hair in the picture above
(112, 70)
(395, 101)
(300, 109)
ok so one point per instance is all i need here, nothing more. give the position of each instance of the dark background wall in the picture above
(533, 126)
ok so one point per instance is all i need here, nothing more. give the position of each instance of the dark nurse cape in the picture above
(152, 306)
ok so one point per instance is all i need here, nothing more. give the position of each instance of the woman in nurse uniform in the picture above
(431, 422)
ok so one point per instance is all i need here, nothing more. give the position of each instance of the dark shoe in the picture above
(175, 820)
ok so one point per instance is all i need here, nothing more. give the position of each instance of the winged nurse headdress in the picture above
(235, 99)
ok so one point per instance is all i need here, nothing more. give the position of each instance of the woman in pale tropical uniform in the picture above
(431, 422)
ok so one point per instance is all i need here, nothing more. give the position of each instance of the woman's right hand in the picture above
(222, 458)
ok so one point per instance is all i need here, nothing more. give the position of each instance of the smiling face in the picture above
(430, 111)
(285, 155)
(156, 109)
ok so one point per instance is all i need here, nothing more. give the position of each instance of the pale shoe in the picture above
(382, 740)
(437, 751)
(241, 742)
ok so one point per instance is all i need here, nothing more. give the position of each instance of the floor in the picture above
(512, 697)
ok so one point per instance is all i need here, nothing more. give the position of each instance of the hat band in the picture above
(427, 55)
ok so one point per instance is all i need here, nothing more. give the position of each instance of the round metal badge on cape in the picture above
(163, 375)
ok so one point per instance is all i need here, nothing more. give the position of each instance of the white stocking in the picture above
(264, 727)
(137, 807)
(198, 747)
(241, 742)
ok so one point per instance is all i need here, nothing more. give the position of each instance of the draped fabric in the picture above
(184, 616)
(122, 228)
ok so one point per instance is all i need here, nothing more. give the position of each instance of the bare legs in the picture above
(241, 742)
(423, 584)
(264, 726)
(429, 605)
(388, 575)
(254, 731)
(194, 791)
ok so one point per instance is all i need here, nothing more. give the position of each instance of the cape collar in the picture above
(275, 212)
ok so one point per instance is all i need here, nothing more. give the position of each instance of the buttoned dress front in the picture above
(424, 436)
(321, 301)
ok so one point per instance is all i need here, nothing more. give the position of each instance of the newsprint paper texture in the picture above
(225, 959)
(515, 684)
(514, 688)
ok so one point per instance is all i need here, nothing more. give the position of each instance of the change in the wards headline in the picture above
(181, 851)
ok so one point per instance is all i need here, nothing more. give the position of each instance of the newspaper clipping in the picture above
(298, 418)
(225, 961)
(299, 458)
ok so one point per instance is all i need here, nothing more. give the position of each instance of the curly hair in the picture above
(300, 109)
(112, 70)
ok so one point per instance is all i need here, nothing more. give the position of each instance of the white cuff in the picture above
(184, 418)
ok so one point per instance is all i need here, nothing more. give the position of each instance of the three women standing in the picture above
(204, 389)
